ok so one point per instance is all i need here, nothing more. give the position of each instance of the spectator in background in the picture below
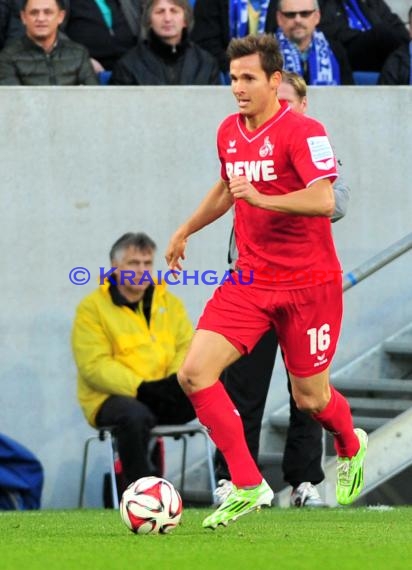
(166, 56)
(397, 69)
(10, 23)
(129, 338)
(305, 49)
(108, 28)
(43, 56)
(368, 30)
(217, 21)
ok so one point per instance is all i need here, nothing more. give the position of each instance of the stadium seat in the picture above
(177, 432)
(104, 77)
(365, 77)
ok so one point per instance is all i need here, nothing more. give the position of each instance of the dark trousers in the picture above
(134, 419)
(247, 383)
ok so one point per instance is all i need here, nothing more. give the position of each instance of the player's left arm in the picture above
(316, 200)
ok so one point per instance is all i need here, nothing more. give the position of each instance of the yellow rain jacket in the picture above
(115, 349)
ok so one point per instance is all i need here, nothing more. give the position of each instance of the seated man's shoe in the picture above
(306, 495)
(222, 491)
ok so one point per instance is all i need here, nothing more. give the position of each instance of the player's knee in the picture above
(311, 404)
(189, 378)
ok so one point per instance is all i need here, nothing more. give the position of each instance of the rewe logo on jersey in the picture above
(254, 170)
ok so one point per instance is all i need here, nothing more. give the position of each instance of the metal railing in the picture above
(377, 262)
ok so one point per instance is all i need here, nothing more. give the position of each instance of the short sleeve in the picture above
(312, 154)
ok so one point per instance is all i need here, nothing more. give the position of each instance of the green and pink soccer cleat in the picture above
(349, 483)
(238, 503)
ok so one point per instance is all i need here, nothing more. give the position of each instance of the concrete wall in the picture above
(400, 7)
(81, 166)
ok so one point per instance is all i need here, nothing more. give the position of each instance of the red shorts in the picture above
(307, 321)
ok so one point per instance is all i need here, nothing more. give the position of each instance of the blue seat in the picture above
(104, 77)
(225, 78)
(366, 77)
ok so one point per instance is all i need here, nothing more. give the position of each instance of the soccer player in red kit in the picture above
(277, 169)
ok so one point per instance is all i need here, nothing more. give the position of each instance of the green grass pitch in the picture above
(272, 539)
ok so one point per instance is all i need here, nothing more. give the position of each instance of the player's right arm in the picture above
(215, 204)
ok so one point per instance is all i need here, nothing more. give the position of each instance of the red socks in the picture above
(219, 415)
(337, 419)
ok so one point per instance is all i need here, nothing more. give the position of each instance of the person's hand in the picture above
(151, 392)
(176, 251)
(241, 188)
(97, 66)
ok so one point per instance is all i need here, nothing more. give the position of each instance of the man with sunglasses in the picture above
(306, 50)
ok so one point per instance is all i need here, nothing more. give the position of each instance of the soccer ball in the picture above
(151, 505)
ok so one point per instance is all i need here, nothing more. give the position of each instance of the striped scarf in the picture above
(323, 67)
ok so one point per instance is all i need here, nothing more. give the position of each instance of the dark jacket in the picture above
(152, 62)
(334, 22)
(85, 24)
(211, 27)
(397, 68)
(10, 23)
(23, 62)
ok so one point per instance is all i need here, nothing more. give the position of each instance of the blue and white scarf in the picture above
(356, 18)
(323, 66)
(238, 16)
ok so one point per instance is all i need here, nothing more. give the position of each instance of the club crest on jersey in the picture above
(267, 148)
(232, 147)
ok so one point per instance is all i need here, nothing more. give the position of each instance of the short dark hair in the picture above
(148, 8)
(60, 3)
(265, 45)
(138, 240)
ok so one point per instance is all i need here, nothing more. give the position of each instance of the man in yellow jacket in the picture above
(129, 339)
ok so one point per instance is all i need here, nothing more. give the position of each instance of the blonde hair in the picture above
(296, 81)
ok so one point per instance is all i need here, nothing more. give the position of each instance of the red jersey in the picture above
(287, 153)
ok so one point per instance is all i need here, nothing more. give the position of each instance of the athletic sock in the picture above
(216, 411)
(337, 419)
